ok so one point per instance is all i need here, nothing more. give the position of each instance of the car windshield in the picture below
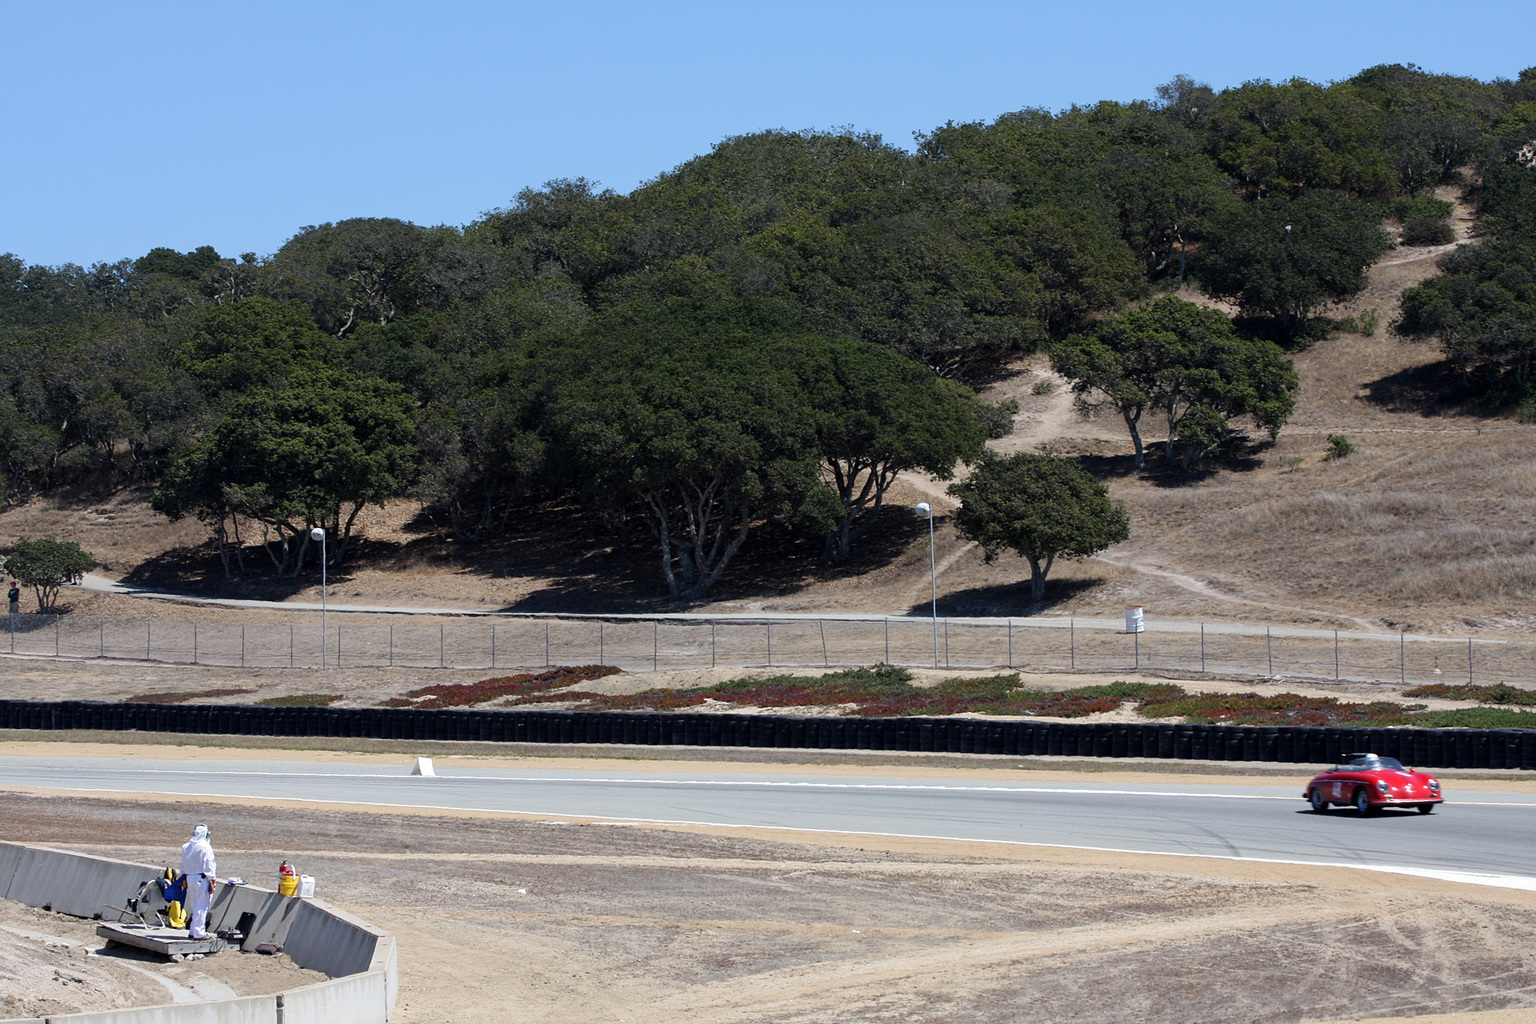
(1370, 762)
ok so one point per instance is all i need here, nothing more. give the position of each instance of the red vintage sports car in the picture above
(1369, 782)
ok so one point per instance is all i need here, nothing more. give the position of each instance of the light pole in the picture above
(319, 535)
(926, 511)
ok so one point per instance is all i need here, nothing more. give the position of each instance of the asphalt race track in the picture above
(1484, 837)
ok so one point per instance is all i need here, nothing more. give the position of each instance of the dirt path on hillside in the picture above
(652, 925)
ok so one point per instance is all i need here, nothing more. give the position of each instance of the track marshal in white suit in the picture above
(198, 865)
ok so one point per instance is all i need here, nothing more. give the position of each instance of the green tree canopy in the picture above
(1483, 311)
(312, 453)
(1184, 361)
(875, 414)
(46, 564)
(1285, 258)
(1041, 507)
(693, 417)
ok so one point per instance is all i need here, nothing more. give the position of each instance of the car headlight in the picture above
(1382, 787)
(1434, 785)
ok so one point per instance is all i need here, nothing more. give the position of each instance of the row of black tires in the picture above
(1428, 748)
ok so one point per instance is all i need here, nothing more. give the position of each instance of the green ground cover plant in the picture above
(1497, 693)
(886, 691)
(1276, 709)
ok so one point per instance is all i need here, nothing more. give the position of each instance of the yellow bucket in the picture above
(288, 885)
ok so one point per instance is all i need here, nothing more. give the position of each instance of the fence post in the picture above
(823, 624)
(1402, 657)
(770, 645)
(946, 643)
(1138, 650)
(601, 657)
(1202, 648)
(1010, 643)
(338, 645)
(194, 641)
(1469, 661)
(101, 636)
(493, 646)
(147, 656)
(242, 645)
(1335, 655)
(887, 622)
(391, 645)
(655, 642)
(1072, 640)
(290, 645)
(546, 644)
(711, 643)
(56, 636)
(1269, 647)
(442, 629)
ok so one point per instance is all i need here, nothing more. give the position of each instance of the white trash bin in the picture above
(1133, 623)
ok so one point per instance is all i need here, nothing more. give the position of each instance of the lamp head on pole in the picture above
(925, 510)
(317, 535)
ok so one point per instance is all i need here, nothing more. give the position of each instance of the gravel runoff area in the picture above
(508, 918)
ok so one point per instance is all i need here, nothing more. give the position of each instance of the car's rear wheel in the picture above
(1426, 808)
(1362, 801)
(1318, 803)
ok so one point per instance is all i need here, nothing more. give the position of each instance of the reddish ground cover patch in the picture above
(182, 696)
(1277, 709)
(465, 694)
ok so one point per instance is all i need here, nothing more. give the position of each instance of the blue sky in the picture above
(134, 124)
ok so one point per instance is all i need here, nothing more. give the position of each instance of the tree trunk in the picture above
(1038, 570)
(1131, 424)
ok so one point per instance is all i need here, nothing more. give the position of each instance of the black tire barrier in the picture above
(1288, 744)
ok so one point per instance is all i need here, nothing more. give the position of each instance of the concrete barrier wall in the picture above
(74, 883)
(274, 914)
(250, 1010)
(355, 1000)
(325, 939)
(360, 960)
(10, 853)
(386, 960)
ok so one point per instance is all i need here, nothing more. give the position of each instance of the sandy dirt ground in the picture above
(54, 964)
(513, 918)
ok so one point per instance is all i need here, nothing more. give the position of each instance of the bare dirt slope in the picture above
(501, 919)
(53, 964)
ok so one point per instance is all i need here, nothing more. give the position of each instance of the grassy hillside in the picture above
(1427, 526)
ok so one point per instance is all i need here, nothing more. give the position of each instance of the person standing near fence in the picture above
(199, 866)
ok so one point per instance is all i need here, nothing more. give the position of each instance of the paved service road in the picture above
(1484, 834)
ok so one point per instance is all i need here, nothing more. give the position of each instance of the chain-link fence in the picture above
(651, 644)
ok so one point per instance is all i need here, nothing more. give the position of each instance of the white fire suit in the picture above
(198, 865)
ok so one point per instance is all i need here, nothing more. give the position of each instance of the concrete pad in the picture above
(165, 941)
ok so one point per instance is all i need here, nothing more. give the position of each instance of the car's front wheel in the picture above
(1362, 801)
(1426, 808)
(1318, 803)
